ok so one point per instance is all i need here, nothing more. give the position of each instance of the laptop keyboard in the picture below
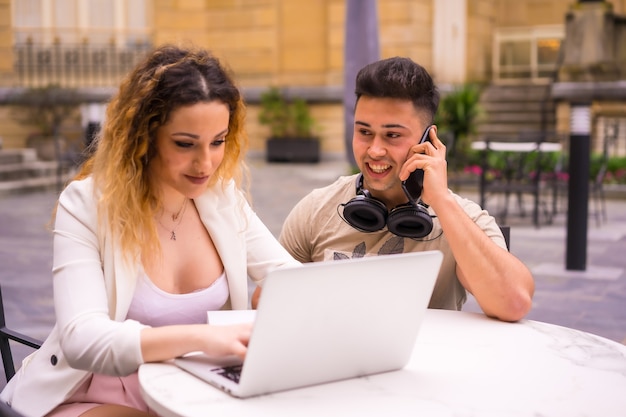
(231, 372)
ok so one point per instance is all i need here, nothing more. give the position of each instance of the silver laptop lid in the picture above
(340, 319)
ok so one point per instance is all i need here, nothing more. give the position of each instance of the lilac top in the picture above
(154, 307)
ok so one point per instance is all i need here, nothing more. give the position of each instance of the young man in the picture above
(396, 104)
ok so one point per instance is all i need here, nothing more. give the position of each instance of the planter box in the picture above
(293, 150)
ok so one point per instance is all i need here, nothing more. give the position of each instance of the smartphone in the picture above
(412, 186)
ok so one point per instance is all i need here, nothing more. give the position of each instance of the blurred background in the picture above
(504, 66)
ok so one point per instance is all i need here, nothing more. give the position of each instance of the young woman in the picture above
(153, 232)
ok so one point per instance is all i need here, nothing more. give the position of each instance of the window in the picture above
(64, 20)
(78, 42)
(547, 56)
(27, 18)
(79, 21)
(527, 53)
(515, 59)
(611, 135)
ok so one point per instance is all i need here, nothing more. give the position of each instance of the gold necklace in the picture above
(175, 215)
(177, 218)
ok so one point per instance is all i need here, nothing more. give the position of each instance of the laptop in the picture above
(328, 321)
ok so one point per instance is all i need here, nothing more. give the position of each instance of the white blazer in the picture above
(94, 286)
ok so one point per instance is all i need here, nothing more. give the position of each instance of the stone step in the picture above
(513, 118)
(510, 110)
(14, 156)
(34, 184)
(503, 93)
(28, 169)
(510, 126)
(515, 107)
(21, 171)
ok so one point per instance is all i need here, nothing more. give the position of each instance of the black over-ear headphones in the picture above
(367, 214)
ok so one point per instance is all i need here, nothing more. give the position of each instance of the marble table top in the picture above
(463, 364)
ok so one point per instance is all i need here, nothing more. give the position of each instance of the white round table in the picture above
(463, 364)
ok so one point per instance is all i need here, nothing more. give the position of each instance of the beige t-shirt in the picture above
(314, 231)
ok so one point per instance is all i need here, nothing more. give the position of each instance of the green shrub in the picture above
(285, 118)
(457, 117)
(552, 164)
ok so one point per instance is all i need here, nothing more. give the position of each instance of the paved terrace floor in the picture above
(592, 300)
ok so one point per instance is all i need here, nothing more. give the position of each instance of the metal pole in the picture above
(578, 189)
(361, 48)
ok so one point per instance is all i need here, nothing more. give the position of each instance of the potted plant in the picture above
(291, 128)
(45, 109)
(457, 118)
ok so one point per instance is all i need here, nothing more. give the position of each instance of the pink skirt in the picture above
(103, 389)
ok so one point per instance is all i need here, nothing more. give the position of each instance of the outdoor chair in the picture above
(596, 187)
(7, 335)
(7, 411)
(597, 207)
(518, 168)
(596, 192)
(506, 232)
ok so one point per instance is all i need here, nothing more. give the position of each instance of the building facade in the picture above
(293, 44)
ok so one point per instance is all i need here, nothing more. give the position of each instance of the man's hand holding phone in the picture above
(425, 171)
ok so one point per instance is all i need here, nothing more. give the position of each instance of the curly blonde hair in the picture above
(170, 77)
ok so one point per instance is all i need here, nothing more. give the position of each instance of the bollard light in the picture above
(578, 188)
(580, 120)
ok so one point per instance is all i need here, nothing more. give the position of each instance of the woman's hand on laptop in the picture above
(217, 341)
(228, 340)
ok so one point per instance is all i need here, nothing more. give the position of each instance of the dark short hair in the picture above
(400, 78)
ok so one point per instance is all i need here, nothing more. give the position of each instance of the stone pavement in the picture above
(591, 300)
